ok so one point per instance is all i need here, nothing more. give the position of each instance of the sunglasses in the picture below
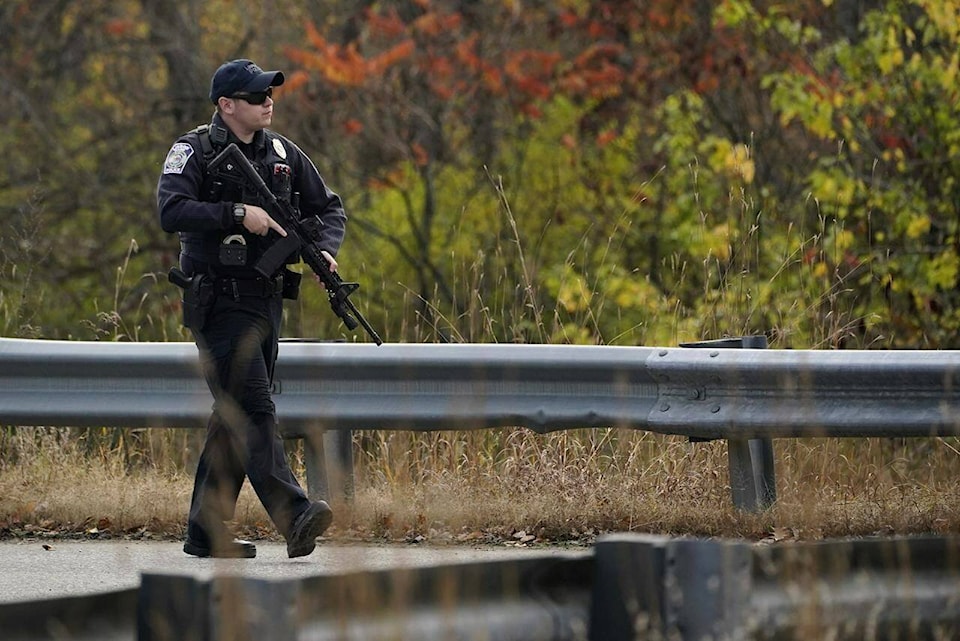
(255, 97)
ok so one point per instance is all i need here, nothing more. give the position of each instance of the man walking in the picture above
(235, 313)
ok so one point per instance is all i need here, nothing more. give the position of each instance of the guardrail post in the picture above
(314, 455)
(339, 444)
(224, 608)
(655, 587)
(328, 458)
(707, 586)
(753, 480)
(173, 608)
(628, 600)
(327, 455)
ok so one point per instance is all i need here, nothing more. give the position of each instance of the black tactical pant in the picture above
(238, 347)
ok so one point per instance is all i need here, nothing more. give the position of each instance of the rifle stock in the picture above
(301, 235)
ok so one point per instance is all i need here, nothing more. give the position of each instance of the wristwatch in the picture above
(239, 211)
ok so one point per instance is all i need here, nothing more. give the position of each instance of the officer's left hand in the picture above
(330, 259)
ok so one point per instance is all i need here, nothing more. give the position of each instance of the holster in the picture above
(197, 301)
(198, 297)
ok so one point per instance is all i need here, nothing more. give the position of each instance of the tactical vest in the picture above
(206, 246)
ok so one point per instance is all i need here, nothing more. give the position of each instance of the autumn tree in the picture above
(93, 95)
(886, 103)
(604, 171)
(422, 93)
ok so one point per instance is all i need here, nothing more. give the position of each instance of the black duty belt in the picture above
(258, 287)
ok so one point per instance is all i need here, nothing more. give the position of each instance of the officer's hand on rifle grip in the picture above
(258, 221)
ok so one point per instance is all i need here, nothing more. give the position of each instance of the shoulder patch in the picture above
(177, 158)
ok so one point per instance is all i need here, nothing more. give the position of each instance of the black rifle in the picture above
(302, 235)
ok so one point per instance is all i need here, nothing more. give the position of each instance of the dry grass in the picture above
(499, 485)
(496, 484)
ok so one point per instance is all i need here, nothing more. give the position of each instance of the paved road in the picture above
(30, 572)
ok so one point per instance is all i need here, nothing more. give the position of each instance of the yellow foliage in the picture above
(718, 241)
(945, 14)
(574, 295)
(732, 159)
(844, 240)
(830, 188)
(573, 334)
(739, 163)
(890, 60)
(943, 269)
(918, 226)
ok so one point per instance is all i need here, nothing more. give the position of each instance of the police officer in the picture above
(234, 313)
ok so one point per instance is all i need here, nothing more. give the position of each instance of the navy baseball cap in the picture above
(241, 76)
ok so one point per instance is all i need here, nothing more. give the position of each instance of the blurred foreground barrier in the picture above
(543, 598)
(651, 587)
(710, 393)
(628, 587)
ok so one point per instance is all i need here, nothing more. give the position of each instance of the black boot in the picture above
(234, 549)
(311, 523)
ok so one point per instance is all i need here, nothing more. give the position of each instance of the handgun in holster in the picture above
(198, 297)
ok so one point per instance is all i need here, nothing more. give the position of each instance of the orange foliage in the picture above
(352, 126)
(420, 156)
(345, 65)
(293, 82)
(706, 83)
(596, 29)
(434, 24)
(388, 26)
(439, 66)
(540, 62)
(466, 52)
(599, 51)
(314, 37)
(531, 110)
(609, 65)
(492, 80)
(604, 138)
(568, 19)
(490, 76)
(532, 87)
(594, 75)
(392, 56)
(119, 26)
(442, 90)
(658, 19)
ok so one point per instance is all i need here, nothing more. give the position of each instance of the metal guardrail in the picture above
(544, 597)
(652, 587)
(107, 616)
(708, 393)
(627, 587)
